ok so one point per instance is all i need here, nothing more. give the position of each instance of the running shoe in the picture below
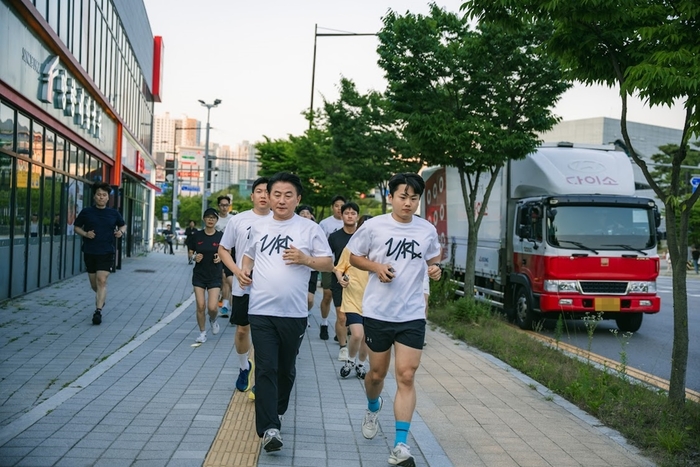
(370, 423)
(272, 441)
(251, 394)
(244, 377)
(360, 371)
(401, 456)
(97, 317)
(346, 369)
(214, 326)
(223, 312)
(343, 354)
(202, 338)
(324, 332)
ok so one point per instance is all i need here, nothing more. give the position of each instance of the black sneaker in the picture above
(97, 317)
(324, 332)
(335, 338)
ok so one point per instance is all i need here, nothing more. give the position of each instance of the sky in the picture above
(257, 57)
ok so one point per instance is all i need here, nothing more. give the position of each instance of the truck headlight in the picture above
(561, 286)
(642, 287)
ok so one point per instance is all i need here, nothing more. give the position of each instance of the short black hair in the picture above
(260, 181)
(350, 205)
(409, 179)
(285, 177)
(224, 197)
(304, 207)
(101, 186)
(337, 198)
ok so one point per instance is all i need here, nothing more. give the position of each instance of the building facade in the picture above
(78, 82)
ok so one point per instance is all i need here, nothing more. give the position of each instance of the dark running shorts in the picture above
(353, 318)
(94, 263)
(313, 281)
(381, 335)
(239, 310)
(206, 285)
(337, 291)
(227, 271)
(326, 278)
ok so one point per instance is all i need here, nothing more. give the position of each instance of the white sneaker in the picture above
(401, 455)
(272, 441)
(214, 327)
(370, 423)
(202, 337)
(343, 354)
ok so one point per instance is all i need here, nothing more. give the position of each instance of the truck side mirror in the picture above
(657, 218)
(524, 231)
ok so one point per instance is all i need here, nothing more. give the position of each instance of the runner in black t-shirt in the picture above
(99, 226)
(189, 231)
(338, 240)
(206, 276)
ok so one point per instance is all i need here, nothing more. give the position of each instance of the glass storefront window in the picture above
(21, 193)
(22, 135)
(37, 142)
(7, 127)
(60, 154)
(49, 148)
(5, 195)
(72, 162)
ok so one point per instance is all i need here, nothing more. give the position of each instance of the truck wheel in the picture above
(629, 322)
(523, 309)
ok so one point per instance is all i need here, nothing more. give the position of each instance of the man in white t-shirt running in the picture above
(282, 248)
(231, 249)
(329, 225)
(225, 217)
(396, 249)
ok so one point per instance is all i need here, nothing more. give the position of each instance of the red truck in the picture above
(562, 233)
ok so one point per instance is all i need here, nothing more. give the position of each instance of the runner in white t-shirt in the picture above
(396, 249)
(281, 251)
(329, 225)
(224, 203)
(231, 249)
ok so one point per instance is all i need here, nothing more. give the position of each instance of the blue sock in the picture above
(373, 404)
(401, 432)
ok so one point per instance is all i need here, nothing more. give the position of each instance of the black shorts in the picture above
(353, 318)
(337, 291)
(227, 271)
(313, 281)
(94, 263)
(239, 310)
(206, 284)
(326, 278)
(381, 335)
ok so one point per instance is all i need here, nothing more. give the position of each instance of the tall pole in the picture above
(207, 186)
(176, 188)
(313, 66)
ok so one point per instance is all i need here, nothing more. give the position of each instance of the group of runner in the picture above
(373, 270)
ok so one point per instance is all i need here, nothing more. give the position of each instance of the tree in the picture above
(471, 99)
(650, 48)
(366, 136)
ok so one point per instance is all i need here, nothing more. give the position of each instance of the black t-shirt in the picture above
(338, 240)
(208, 245)
(695, 254)
(189, 231)
(104, 222)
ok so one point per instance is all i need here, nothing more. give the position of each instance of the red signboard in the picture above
(435, 199)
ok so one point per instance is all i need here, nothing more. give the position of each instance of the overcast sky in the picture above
(256, 56)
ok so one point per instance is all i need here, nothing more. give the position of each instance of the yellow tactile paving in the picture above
(236, 444)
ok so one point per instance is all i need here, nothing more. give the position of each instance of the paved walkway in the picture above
(135, 392)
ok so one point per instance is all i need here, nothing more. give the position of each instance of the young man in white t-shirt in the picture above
(329, 225)
(234, 243)
(225, 216)
(396, 249)
(283, 248)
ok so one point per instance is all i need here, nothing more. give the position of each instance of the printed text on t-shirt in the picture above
(275, 244)
(403, 247)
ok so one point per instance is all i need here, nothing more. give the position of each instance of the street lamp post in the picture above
(207, 185)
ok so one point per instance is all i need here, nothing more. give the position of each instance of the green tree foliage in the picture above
(650, 48)
(471, 99)
(366, 137)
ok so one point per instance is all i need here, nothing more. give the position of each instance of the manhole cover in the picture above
(145, 270)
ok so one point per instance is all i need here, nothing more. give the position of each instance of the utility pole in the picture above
(207, 185)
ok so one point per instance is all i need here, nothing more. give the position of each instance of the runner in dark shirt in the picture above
(189, 231)
(206, 276)
(99, 226)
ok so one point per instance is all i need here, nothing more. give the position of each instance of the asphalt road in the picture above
(650, 348)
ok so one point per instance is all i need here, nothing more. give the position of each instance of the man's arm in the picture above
(293, 255)
(228, 261)
(434, 269)
(244, 279)
(384, 271)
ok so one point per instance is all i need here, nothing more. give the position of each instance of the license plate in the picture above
(607, 304)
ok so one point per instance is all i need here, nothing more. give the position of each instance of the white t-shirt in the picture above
(330, 225)
(406, 247)
(280, 289)
(223, 222)
(235, 239)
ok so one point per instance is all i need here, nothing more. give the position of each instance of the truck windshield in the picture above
(600, 227)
